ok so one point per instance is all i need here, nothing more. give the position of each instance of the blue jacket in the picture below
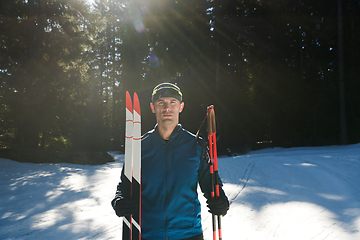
(170, 172)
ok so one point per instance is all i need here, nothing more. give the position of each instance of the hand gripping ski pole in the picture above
(132, 167)
(215, 191)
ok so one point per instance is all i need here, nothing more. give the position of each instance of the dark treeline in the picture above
(270, 67)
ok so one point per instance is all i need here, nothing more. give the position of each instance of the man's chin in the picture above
(166, 121)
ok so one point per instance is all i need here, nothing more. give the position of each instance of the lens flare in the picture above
(139, 26)
(154, 61)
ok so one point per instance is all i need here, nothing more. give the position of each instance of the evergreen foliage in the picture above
(269, 67)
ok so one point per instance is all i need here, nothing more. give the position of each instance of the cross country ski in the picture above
(132, 167)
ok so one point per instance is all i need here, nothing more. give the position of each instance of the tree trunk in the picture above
(343, 130)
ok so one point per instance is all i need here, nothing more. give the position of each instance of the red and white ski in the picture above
(132, 166)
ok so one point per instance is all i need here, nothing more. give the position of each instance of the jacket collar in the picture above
(174, 133)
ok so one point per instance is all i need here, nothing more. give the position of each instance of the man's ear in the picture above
(181, 107)
(152, 107)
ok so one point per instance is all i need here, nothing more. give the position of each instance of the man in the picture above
(172, 165)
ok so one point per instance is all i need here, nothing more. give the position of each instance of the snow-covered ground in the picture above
(296, 193)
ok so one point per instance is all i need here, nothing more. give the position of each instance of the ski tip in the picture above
(128, 102)
(136, 104)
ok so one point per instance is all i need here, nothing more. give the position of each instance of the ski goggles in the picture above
(166, 90)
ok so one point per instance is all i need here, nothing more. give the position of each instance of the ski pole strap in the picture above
(198, 137)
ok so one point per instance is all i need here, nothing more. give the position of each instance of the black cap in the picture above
(166, 90)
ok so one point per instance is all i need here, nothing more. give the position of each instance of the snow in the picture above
(294, 193)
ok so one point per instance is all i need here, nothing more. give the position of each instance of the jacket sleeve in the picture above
(120, 191)
(205, 177)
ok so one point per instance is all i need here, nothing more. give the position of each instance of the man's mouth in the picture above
(167, 114)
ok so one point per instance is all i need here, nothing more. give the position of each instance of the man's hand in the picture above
(218, 206)
(125, 207)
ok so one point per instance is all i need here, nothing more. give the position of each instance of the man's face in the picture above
(167, 110)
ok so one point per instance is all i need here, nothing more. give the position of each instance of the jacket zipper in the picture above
(166, 188)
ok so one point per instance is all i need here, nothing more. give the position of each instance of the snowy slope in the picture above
(296, 193)
(299, 193)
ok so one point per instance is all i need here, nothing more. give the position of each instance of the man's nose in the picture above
(166, 106)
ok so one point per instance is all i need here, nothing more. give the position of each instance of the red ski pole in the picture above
(215, 191)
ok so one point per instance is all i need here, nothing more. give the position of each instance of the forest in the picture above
(280, 73)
